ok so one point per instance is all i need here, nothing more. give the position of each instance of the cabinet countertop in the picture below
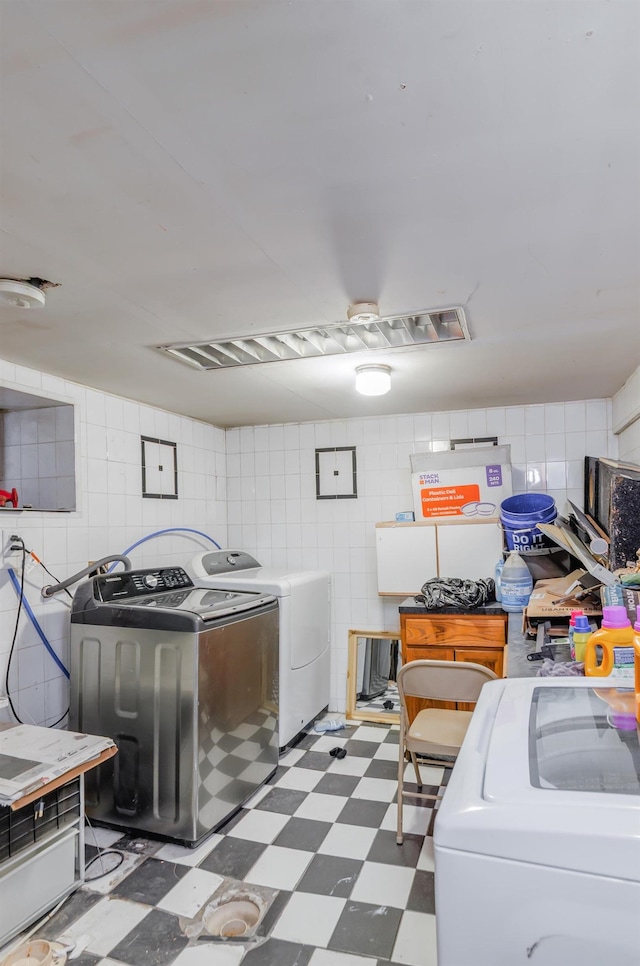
(409, 606)
(518, 646)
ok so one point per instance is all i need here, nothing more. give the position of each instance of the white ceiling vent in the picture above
(392, 332)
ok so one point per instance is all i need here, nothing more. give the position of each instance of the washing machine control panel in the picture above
(140, 583)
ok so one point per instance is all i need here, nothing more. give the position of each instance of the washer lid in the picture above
(564, 739)
(544, 777)
(203, 603)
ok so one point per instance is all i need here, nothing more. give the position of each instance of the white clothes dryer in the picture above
(304, 599)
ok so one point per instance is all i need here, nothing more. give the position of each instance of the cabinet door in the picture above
(406, 557)
(451, 629)
(427, 654)
(469, 548)
(492, 659)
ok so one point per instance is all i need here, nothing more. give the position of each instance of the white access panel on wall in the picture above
(406, 557)
(468, 548)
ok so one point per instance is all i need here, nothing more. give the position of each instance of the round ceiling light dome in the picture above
(21, 295)
(373, 380)
(363, 312)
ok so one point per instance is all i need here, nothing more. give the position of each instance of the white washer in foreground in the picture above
(304, 599)
(537, 839)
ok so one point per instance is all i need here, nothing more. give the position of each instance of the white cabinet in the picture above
(469, 549)
(408, 554)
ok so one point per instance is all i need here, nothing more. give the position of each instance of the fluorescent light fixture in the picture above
(373, 380)
(423, 328)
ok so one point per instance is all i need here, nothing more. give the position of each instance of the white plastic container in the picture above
(516, 583)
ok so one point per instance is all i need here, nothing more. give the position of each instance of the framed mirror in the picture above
(373, 661)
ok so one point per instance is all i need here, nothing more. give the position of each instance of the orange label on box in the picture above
(447, 501)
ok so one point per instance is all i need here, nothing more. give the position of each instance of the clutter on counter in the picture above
(454, 592)
(520, 516)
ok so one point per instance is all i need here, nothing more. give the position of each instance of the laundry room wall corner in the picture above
(111, 515)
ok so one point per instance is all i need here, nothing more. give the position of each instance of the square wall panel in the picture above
(159, 469)
(336, 473)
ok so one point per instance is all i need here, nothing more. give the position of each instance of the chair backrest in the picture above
(443, 680)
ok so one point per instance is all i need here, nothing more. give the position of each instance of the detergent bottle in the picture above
(581, 634)
(636, 648)
(572, 625)
(615, 637)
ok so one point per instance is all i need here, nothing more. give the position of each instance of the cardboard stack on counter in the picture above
(553, 601)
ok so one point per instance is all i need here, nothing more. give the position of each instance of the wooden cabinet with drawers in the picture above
(479, 637)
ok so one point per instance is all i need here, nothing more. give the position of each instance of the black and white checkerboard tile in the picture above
(321, 833)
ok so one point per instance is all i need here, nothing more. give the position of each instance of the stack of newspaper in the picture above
(31, 757)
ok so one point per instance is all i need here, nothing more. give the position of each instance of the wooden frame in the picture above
(352, 714)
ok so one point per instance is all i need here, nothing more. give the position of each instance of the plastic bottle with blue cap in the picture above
(516, 583)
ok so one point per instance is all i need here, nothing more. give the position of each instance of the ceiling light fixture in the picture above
(21, 295)
(424, 328)
(373, 380)
(363, 312)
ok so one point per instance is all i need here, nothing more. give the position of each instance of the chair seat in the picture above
(438, 731)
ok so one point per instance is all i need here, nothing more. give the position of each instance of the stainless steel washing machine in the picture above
(185, 682)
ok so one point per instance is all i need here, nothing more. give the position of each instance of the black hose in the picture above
(50, 589)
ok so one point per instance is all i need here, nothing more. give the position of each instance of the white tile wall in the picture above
(254, 488)
(111, 516)
(626, 418)
(276, 516)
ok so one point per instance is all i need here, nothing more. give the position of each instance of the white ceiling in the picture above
(192, 170)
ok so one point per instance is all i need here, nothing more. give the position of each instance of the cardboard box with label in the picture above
(542, 603)
(461, 483)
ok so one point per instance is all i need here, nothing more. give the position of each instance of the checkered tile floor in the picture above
(321, 833)
(378, 704)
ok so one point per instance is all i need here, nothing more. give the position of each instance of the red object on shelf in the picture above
(9, 497)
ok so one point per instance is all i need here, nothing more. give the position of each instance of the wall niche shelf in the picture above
(37, 451)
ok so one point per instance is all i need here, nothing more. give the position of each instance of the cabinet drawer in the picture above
(477, 631)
